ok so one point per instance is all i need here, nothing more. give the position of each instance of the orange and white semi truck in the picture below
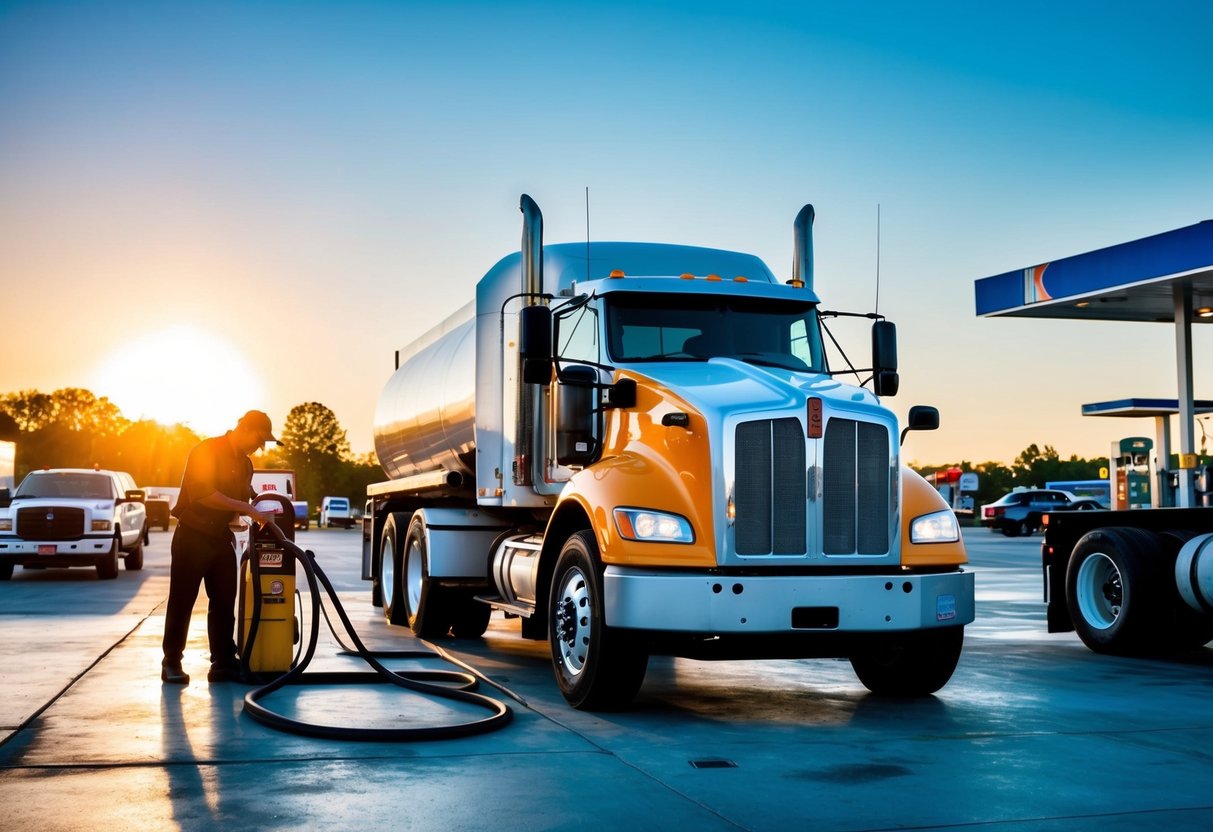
(638, 449)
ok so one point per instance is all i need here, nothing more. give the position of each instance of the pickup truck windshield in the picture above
(86, 486)
(648, 327)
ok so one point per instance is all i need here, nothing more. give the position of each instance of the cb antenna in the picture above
(877, 309)
(587, 233)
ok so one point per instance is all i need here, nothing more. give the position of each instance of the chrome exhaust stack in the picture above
(802, 250)
(532, 250)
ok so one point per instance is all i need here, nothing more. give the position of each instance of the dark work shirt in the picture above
(213, 465)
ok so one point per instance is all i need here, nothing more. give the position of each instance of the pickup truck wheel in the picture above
(426, 606)
(107, 566)
(916, 663)
(597, 667)
(389, 568)
(1010, 529)
(133, 561)
(1117, 590)
(6, 571)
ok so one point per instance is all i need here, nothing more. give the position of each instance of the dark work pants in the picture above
(201, 559)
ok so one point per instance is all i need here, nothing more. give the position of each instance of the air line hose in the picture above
(422, 681)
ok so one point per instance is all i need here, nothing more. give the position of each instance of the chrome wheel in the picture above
(414, 575)
(1099, 588)
(574, 612)
(387, 572)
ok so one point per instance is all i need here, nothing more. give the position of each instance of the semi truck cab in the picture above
(647, 453)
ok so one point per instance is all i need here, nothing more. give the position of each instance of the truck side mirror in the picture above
(576, 439)
(6, 498)
(535, 344)
(884, 359)
(134, 496)
(921, 417)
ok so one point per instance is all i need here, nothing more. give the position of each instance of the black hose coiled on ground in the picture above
(421, 681)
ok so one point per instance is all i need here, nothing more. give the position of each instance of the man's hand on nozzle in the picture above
(261, 518)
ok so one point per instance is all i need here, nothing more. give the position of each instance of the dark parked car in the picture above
(1020, 511)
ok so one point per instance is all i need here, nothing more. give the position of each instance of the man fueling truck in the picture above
(639, 449)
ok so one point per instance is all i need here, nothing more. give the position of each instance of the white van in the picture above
(335, 511)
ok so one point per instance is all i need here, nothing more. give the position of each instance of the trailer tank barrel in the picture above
(425, 419)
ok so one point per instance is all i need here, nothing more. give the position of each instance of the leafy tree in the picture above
(315, 445)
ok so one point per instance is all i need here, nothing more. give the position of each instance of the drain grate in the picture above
(713, 764)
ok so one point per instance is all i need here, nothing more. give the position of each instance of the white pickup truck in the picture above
(73, 517)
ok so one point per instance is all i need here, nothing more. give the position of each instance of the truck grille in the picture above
(770, 494)
(855, 488)
(53, 523)
(770, 491)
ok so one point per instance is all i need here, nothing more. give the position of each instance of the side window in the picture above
(801, 346)
(577, 336)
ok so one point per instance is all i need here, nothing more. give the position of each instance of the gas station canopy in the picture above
(1166, 278)
(1127, 282)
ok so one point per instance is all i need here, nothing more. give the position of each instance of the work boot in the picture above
(224, 671)
(171, 673)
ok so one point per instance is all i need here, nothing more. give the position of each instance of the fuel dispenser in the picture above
(269, 629)
(1131, 470)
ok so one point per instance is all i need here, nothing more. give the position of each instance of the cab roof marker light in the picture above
(713, 277)
(616, 273)
(686, 276)
(741, 279)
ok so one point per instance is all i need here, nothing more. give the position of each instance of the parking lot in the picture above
(1034, 732)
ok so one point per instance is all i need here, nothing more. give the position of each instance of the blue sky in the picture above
(316, 183)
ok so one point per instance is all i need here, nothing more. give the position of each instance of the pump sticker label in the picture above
(945, 607)
(270, 559)
(276, 587)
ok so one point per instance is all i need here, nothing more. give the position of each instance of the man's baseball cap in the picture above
(259, 423)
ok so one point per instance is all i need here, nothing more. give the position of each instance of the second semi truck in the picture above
(639, 449)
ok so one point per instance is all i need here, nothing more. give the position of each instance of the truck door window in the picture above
(577, 335)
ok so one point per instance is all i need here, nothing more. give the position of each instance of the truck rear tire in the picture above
(470, 618)
(390, 549)
(915, 663)
(426, 605)
(597, 667)
(1117, 589)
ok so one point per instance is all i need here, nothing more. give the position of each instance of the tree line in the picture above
(1032, 468)
(73, 428)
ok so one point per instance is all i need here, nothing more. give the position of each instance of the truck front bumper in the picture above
(710, 604)
(78, 552)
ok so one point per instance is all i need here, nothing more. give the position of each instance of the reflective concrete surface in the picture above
(1033, 733)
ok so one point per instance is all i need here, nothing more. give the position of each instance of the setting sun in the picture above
(180, 374)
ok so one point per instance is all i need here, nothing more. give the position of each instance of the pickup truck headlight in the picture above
(101, 525)
(938, 527)
(653, 526)
(6, 524)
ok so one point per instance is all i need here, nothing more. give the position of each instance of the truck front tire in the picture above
(1117, 590)
(915, 663)
(107, 566)
(597, 667)
(133, 561)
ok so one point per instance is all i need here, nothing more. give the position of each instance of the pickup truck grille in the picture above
(855, 488)
(770, 494)
(54, 523)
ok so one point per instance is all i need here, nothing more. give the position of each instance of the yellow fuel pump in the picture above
(268, 629)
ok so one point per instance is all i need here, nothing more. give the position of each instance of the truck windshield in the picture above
(646, 327)
(87, 486)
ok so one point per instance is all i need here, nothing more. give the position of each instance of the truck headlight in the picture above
(939, 527)
(653, 526)
(6, 524)
(101, 525)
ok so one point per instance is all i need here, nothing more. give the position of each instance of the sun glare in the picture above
(180, 374)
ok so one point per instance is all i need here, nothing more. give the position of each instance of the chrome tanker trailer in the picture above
(639, 449)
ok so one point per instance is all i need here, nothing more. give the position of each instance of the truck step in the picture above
(497, 602)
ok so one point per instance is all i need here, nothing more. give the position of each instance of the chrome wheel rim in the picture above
(573, 613)
(1100, 591)
(412, 576)
(387, 574)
